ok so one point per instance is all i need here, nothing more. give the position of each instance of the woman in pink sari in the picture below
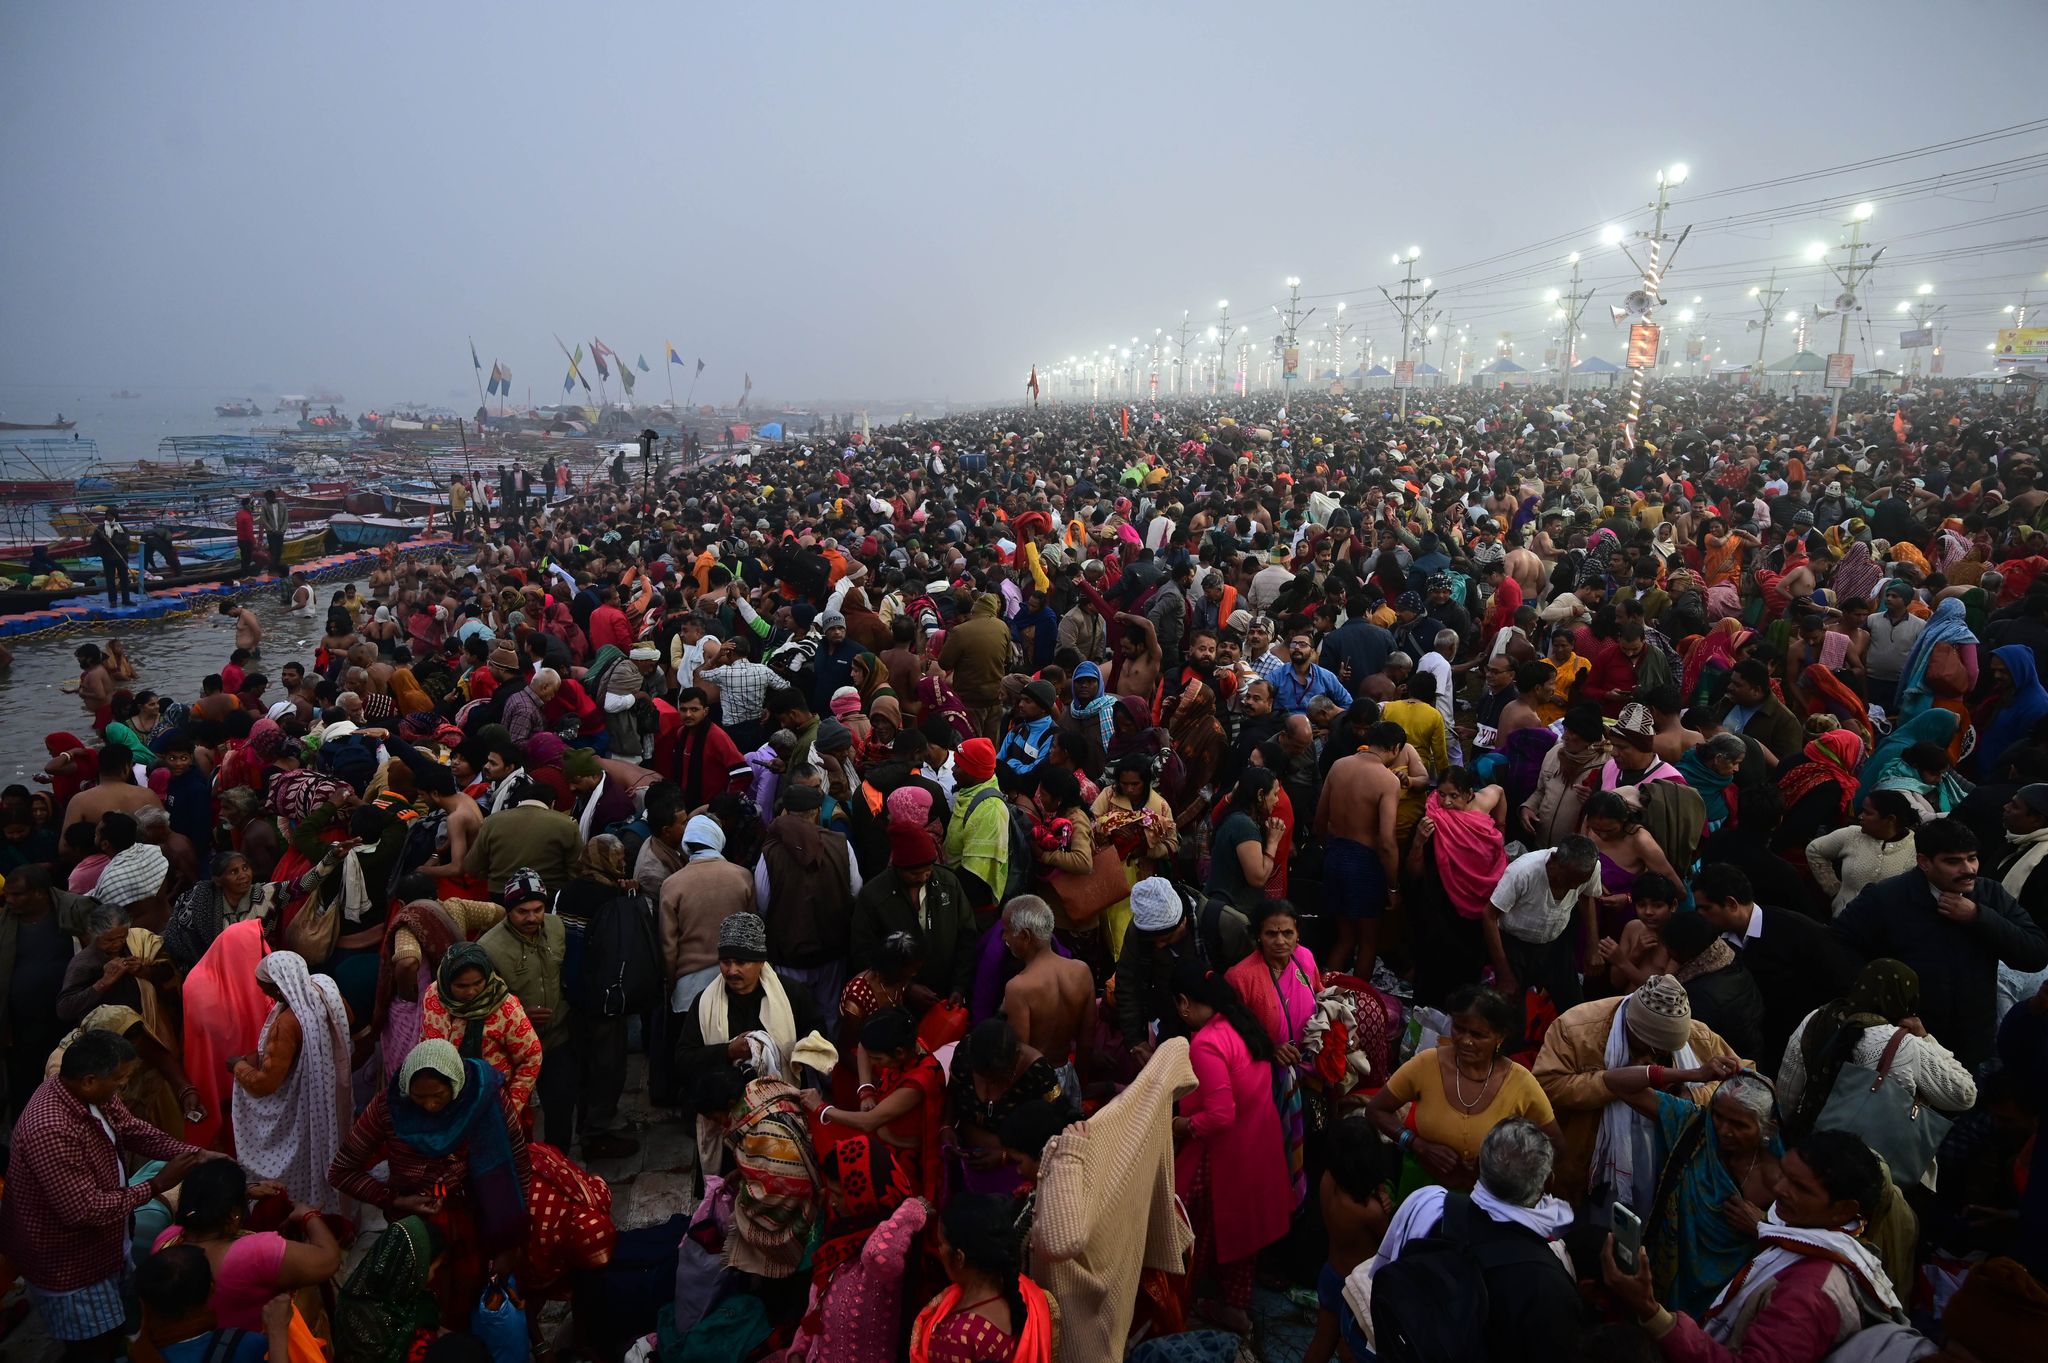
(1458, 838)
(224, 1013)
(1278, 983)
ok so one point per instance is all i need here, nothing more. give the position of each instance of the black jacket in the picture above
(1797, 966)
(1219, 937)
(1957, 962)
(1729, 1002)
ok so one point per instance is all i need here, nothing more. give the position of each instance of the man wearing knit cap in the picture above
(832, 664)
(1168, 926)
(918, 896)
(978, 836)
(600, 801)
(746, 995)
(1029, 739)
(1600, 1050)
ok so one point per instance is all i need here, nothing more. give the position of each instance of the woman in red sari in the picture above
(224, 1012)
(901, 1109)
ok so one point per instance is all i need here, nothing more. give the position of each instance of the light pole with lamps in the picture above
(1407, 303)
(1221, 334)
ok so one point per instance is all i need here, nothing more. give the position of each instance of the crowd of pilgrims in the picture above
(1526, 887)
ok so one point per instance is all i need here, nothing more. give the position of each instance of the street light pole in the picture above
(1407, 303)
(1223, 333)
(1574, 304)
(1850, 277)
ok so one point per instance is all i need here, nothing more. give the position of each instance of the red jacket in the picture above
(1610, 680)
(608, 625)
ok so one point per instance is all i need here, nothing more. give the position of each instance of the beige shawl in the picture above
(1087, 1248)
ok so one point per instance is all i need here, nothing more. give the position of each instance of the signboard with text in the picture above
(1841, 370)
(2023, 345)
(1404, 373)
(1916, 338)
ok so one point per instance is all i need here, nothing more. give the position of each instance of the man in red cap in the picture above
(918, 896)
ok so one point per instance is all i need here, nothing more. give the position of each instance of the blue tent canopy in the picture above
(1593, 364)
(1379, 371)
(1503, 365)
(1427, 371)
(771, 431)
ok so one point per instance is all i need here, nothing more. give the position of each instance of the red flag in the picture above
(1899, 426)
(1033, 385)
(1124, 418)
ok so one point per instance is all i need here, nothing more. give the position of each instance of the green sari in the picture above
(386, 1301)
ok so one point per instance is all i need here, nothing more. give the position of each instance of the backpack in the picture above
(1017, 866)
(622, 965)
(1431, 1305)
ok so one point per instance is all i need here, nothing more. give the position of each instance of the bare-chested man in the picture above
(1138, 660)
(1534, 685)
(1672, 739)
(1050, 1003)
(1361, 861)
(248, 629)
(465, 823)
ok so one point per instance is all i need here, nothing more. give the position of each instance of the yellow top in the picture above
(1442, 1121)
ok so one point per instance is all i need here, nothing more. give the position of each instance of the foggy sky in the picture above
(921, 200)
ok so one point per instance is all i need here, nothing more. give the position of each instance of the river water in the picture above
(170, 657)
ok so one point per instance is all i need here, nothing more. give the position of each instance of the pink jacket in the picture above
(861, 1315)
(1237, 1135)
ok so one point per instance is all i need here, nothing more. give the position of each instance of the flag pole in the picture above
(477, 373)
(668, 369)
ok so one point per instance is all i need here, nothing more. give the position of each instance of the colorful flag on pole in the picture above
(569, 380)
(597, 356)
(746, 390)
(492, 387)
(700, 366)
(673, 358)
(643, 365)
(625, 376)
(1032, 386)
(473, 356)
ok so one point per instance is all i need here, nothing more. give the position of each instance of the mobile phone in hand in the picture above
(1628, 1237)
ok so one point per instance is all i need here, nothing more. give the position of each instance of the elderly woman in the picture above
(1710, 770)
(1720, 1174)
(231, 894)
(470, 1006)
(292, 1101)
(993, 1075)
(456, 1157)
(1278, 982)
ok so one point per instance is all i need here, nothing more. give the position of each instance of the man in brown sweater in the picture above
(694, 901)
(977, 653)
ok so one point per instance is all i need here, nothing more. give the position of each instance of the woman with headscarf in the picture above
(73, 763)
(1710, 659)
(1819, 790)
(416, 940)
(407, 694)
(456, 1157)
(152, 1091)
(845, 707)
(1941, 671)
(2016, 706)
(1891, 765)
(1093, 708)
(1821, 692)
(1200, 742)
(224, 1012)
(1883, 1002)
(884, 722)
(470, 1006)
(1857, 575)
(292, 1099)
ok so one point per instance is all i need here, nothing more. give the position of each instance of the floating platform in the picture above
(94, 616)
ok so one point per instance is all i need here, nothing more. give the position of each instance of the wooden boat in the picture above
(15, 601)
(371, 532)
(58, 425)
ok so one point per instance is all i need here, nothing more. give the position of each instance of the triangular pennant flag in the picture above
(643, 365)
(673, 358)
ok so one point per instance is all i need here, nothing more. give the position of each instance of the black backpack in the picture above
(622, 970)
(1431, 1305)
(1018, 868)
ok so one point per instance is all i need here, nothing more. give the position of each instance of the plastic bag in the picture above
(1419, 1033)
(500, 1320)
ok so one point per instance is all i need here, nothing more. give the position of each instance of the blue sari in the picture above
(1950, 625)
(1887, 768)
